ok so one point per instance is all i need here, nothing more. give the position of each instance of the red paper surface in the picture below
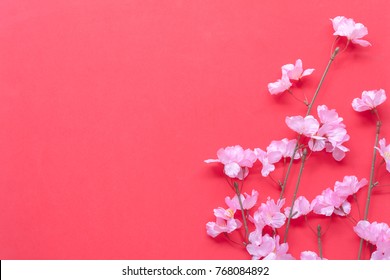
(108, 109)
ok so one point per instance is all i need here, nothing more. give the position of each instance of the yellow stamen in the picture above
(229, 213)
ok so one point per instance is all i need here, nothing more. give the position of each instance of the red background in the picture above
(108, 109)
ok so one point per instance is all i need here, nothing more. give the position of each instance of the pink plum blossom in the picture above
(295, 72)
(301, 208)
(382, 251)
(280, 85)
(344, 209)
(384, 151)
(236, 161)
(310, 256)
(331, 135)
(349, 186)
(335, 201)
(347, 27)
(377, 234)
(248, 201)
(225, 222)
(260, 246)
(369, 101)
(267, 160)
(307, 126)
(285, 147)
(372, 232)
(270, 214)
(279, 252)
(328, 203)
(267, 247)
(328, 116)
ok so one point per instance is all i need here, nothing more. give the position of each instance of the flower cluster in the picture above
(329, 134)
(329, 201)
(335, 201)
(324, 132)
(276, 150)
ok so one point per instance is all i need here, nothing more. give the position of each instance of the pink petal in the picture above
(309, 255)
(280, 85)
(232, 169)
(307, 72)
(211, 160)
(307, 126)
(361, 42)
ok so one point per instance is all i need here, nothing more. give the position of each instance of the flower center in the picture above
(229, 213)
(386, 155)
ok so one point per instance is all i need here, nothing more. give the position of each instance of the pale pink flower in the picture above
(384, 151)
(280, 85)
(328, 116)
(285, 147)
(347, 27)
(369, 101)
(267, 160)
(248, 201)
(307, 126)
(382, 251)
(372, 232)
(328, 203)
(377, 234)
(270, 213)
(260, 246)
(295, 72)
(236, 161)
(310, 256)
(301, 208)
(279, 252)
(225, 222)
(331, 135)
(349, 186)
(344, 209)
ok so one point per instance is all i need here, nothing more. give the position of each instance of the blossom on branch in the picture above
(280, 85)
(267, 159)
(236, 161)
(328, 203)
(335, 201)
(372, 232)
(384, 151)
(310, 256)
(377, 234)
(296, 72)
(369, 101)
(285, 147)
(301, 208)
(307, 126)
(346, 27)
(349, 186)
(331, 135)
(267, 247)
(225, 222)
(248, 201)
(290, 73)
(269, 213)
